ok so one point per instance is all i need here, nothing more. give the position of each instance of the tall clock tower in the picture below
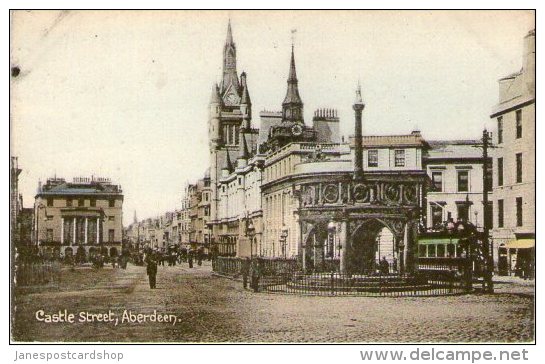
(230, 119)
(292, 128)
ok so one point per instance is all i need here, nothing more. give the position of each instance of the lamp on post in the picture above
(332, 230)
(466, 233)
(284, 239)
(250, 232)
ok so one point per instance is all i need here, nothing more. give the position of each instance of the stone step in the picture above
(406, 288)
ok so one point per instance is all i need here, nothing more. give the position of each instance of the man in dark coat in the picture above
(245, 271)
(151, 270)
(384, 266)
(256, 274)
(190, 259)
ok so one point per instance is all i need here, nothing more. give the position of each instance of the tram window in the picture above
(441, 250)
(431, 250)
(458, 252)
(450, 250)
(422, 251)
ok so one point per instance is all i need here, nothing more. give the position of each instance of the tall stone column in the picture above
(358, 107)
(62, 230)
(86, 224)
(411, 259)
(74, 231)
(98, 230)
(401, 249)
(343, 242)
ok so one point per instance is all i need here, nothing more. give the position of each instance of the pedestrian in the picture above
(151, 270)
(256, 274)
(199, 257)
(190, 259)
(384, 266)
(245, 270)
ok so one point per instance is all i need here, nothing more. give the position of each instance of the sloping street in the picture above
(215, 309)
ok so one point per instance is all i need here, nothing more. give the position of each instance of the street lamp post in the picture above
(487, 252)
(284, 239)
(332, 230)
(250, 232)
(466, 233)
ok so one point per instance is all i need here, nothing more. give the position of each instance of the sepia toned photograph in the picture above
(363, 176)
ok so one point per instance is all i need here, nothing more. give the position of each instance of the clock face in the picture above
(297, 130)
(231, 99)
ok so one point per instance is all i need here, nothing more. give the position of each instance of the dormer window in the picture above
(399, 158)
(372, 158)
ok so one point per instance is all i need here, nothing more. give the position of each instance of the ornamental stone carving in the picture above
(331, 193)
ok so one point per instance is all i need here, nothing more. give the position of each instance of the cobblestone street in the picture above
(214, 309)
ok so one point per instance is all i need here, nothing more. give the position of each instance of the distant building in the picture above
(79, 218)
(514, 165)
(185, 219)
(15, 201)
(455, 170)
(21, 218)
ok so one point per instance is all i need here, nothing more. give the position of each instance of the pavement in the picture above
(207, 308)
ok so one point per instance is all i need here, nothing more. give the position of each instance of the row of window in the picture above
(439, 251)
(518, 126)
(280, 168)
(518, 169)
(462, 181)
(80, 202)
(462, 210)
(68, 236)
(230, 134)
(372, 158)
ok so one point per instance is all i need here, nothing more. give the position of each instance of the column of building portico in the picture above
(411, 252)
(74, 232)
(344, 246)
(400, 241)
(62, 230)
(399, 247)
(98, 231)
(86, 224)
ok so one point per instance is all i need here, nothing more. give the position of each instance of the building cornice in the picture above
(512, 105)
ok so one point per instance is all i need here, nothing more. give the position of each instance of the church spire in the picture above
(215, 98)
(229, 39)
(230, 77)
(292, 107)
(245, 98)
(244, 153)
(229, 165)
(293, 74)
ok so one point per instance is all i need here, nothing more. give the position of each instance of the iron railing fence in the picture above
(286, 276)
(37, 273)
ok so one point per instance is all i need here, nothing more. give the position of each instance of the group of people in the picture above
(120, 261)
(155, 258)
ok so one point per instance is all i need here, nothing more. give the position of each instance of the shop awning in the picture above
(438, 241)
(521, 244)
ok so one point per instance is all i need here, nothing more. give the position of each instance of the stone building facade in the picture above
(79, 218)
(514, 165)
(294, 190)
(455, 170)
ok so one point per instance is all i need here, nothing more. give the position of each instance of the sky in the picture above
(124, 94)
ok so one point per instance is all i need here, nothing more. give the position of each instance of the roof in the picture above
(408, 140)
(512, 75)
(81, 189)
(454, 149)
